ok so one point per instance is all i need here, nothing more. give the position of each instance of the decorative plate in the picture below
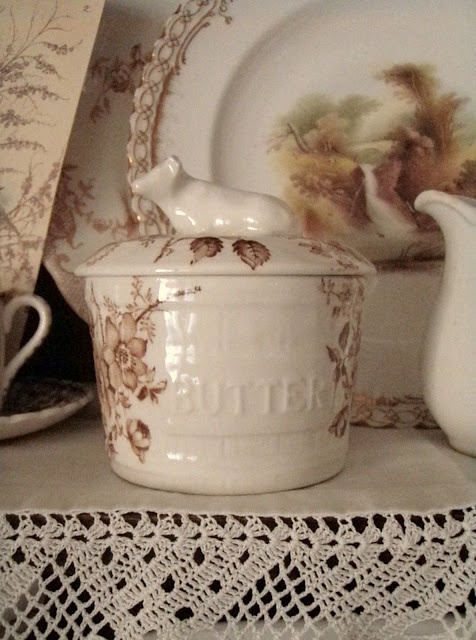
(346, 110)
(92, 204)
(33, 405)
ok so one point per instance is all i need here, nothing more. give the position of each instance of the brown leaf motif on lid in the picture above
(205, 247)
(253, 253)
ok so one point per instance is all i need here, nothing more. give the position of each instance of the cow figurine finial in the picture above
(197, 207)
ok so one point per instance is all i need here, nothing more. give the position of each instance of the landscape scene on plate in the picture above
(353, 167)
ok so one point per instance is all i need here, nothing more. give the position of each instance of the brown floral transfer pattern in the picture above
(74, 204)
(346, 297)
(391, 412)
(345, 257)
(121, 339)
(79, 218)
(115, 76)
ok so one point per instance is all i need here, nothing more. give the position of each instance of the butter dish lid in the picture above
(212, 255)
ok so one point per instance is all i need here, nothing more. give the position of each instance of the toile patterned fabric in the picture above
(41, 72)
(129, 575)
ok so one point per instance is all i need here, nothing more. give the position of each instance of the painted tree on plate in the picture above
(354, 166)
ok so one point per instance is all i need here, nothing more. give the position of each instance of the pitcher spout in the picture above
(452, 212)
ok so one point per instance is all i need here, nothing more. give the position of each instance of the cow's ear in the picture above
(174, 164)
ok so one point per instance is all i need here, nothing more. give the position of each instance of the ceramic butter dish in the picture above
(225, 364)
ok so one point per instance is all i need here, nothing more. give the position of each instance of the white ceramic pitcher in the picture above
(449, 366)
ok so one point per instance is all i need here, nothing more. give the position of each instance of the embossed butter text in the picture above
(262, 396)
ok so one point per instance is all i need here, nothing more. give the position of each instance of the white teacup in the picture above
(8, 311)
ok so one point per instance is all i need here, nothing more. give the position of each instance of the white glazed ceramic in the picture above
(196, 206)
(449, 369)
(225, 365)
(290, 78)
(317, 103)
(8, 310)
(92, 202)
(389, 385)
(33, 405)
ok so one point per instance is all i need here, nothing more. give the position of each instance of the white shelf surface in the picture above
(65, 469)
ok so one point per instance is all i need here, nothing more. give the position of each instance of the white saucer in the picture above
(33, 405)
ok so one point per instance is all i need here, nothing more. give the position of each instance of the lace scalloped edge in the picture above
(125, 574)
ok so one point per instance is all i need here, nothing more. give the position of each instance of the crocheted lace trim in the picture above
(125, 575)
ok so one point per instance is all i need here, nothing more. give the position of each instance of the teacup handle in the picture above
(44, 323)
